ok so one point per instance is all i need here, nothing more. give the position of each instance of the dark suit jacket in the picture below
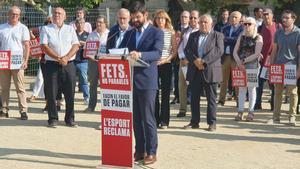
(150, 45)
(113, 35)
(231, 41)
(213, 50)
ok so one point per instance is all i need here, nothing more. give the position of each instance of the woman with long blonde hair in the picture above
(162, 110)
(247, 53)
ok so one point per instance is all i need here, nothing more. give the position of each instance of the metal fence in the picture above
(32, 17)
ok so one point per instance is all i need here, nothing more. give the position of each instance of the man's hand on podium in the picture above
(135, 55)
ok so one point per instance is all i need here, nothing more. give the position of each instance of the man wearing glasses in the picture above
(286, 50)
(81, 63)
(14, 37)
(117, 32)
(180, 30)
(194, 26)
(231, 34)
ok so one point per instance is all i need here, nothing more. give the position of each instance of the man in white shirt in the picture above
(14, 37)
(194, 26)
(60, 44)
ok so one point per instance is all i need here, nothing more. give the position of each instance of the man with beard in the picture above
(286, 50)
(145, 42)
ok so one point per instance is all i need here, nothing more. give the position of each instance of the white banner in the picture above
(252, 78)
(16, 62)
(264, 73)
(116, 100)
(290, 74)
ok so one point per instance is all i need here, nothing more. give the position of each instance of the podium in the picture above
(115, 75)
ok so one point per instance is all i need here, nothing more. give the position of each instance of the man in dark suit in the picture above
(145, 43)
(204, 50)
(117, 32)
(231, 33)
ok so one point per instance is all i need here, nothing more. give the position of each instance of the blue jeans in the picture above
(82, 69)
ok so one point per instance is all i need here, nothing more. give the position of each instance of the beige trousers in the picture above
(5, 82)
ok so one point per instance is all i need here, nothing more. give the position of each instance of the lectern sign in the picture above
(116, 111)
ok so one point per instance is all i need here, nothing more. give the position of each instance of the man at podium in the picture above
(145, 42)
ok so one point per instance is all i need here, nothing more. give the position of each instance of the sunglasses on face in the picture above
(247, 24)
(266, 14)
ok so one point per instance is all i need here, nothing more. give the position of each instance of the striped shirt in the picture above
(167, 48)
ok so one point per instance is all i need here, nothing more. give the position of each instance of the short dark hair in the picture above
(138, 6)
(81, 9)
(293, 15)
(256, 9)
(224, 10)
(104, 19)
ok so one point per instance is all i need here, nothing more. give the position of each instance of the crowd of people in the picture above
(197, 52)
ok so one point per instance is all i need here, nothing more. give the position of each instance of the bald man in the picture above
(14, 37)
(60, 44)
(231, 34)
(118, 31)
(203, 51)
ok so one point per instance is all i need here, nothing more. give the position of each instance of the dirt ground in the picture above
(235, 145)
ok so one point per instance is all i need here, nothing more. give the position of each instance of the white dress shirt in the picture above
(58, 39)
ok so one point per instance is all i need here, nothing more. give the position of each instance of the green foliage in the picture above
(278, 3)
(75, 3)
(213, 6)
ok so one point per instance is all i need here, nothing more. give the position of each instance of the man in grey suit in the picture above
(204, 50)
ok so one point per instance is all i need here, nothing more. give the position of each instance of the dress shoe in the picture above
(257, 107)
(191, 126)
(212, 127)
(52, 124)
(181, 114)
(221, 102)
(24, 116)
(139, 156)
(174, 101)
(2, 114)
(149, 159)
(71, 124)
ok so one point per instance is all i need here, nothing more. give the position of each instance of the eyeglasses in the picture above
(247, 24)
(266, 14)
(122, 18)
(193, 18)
